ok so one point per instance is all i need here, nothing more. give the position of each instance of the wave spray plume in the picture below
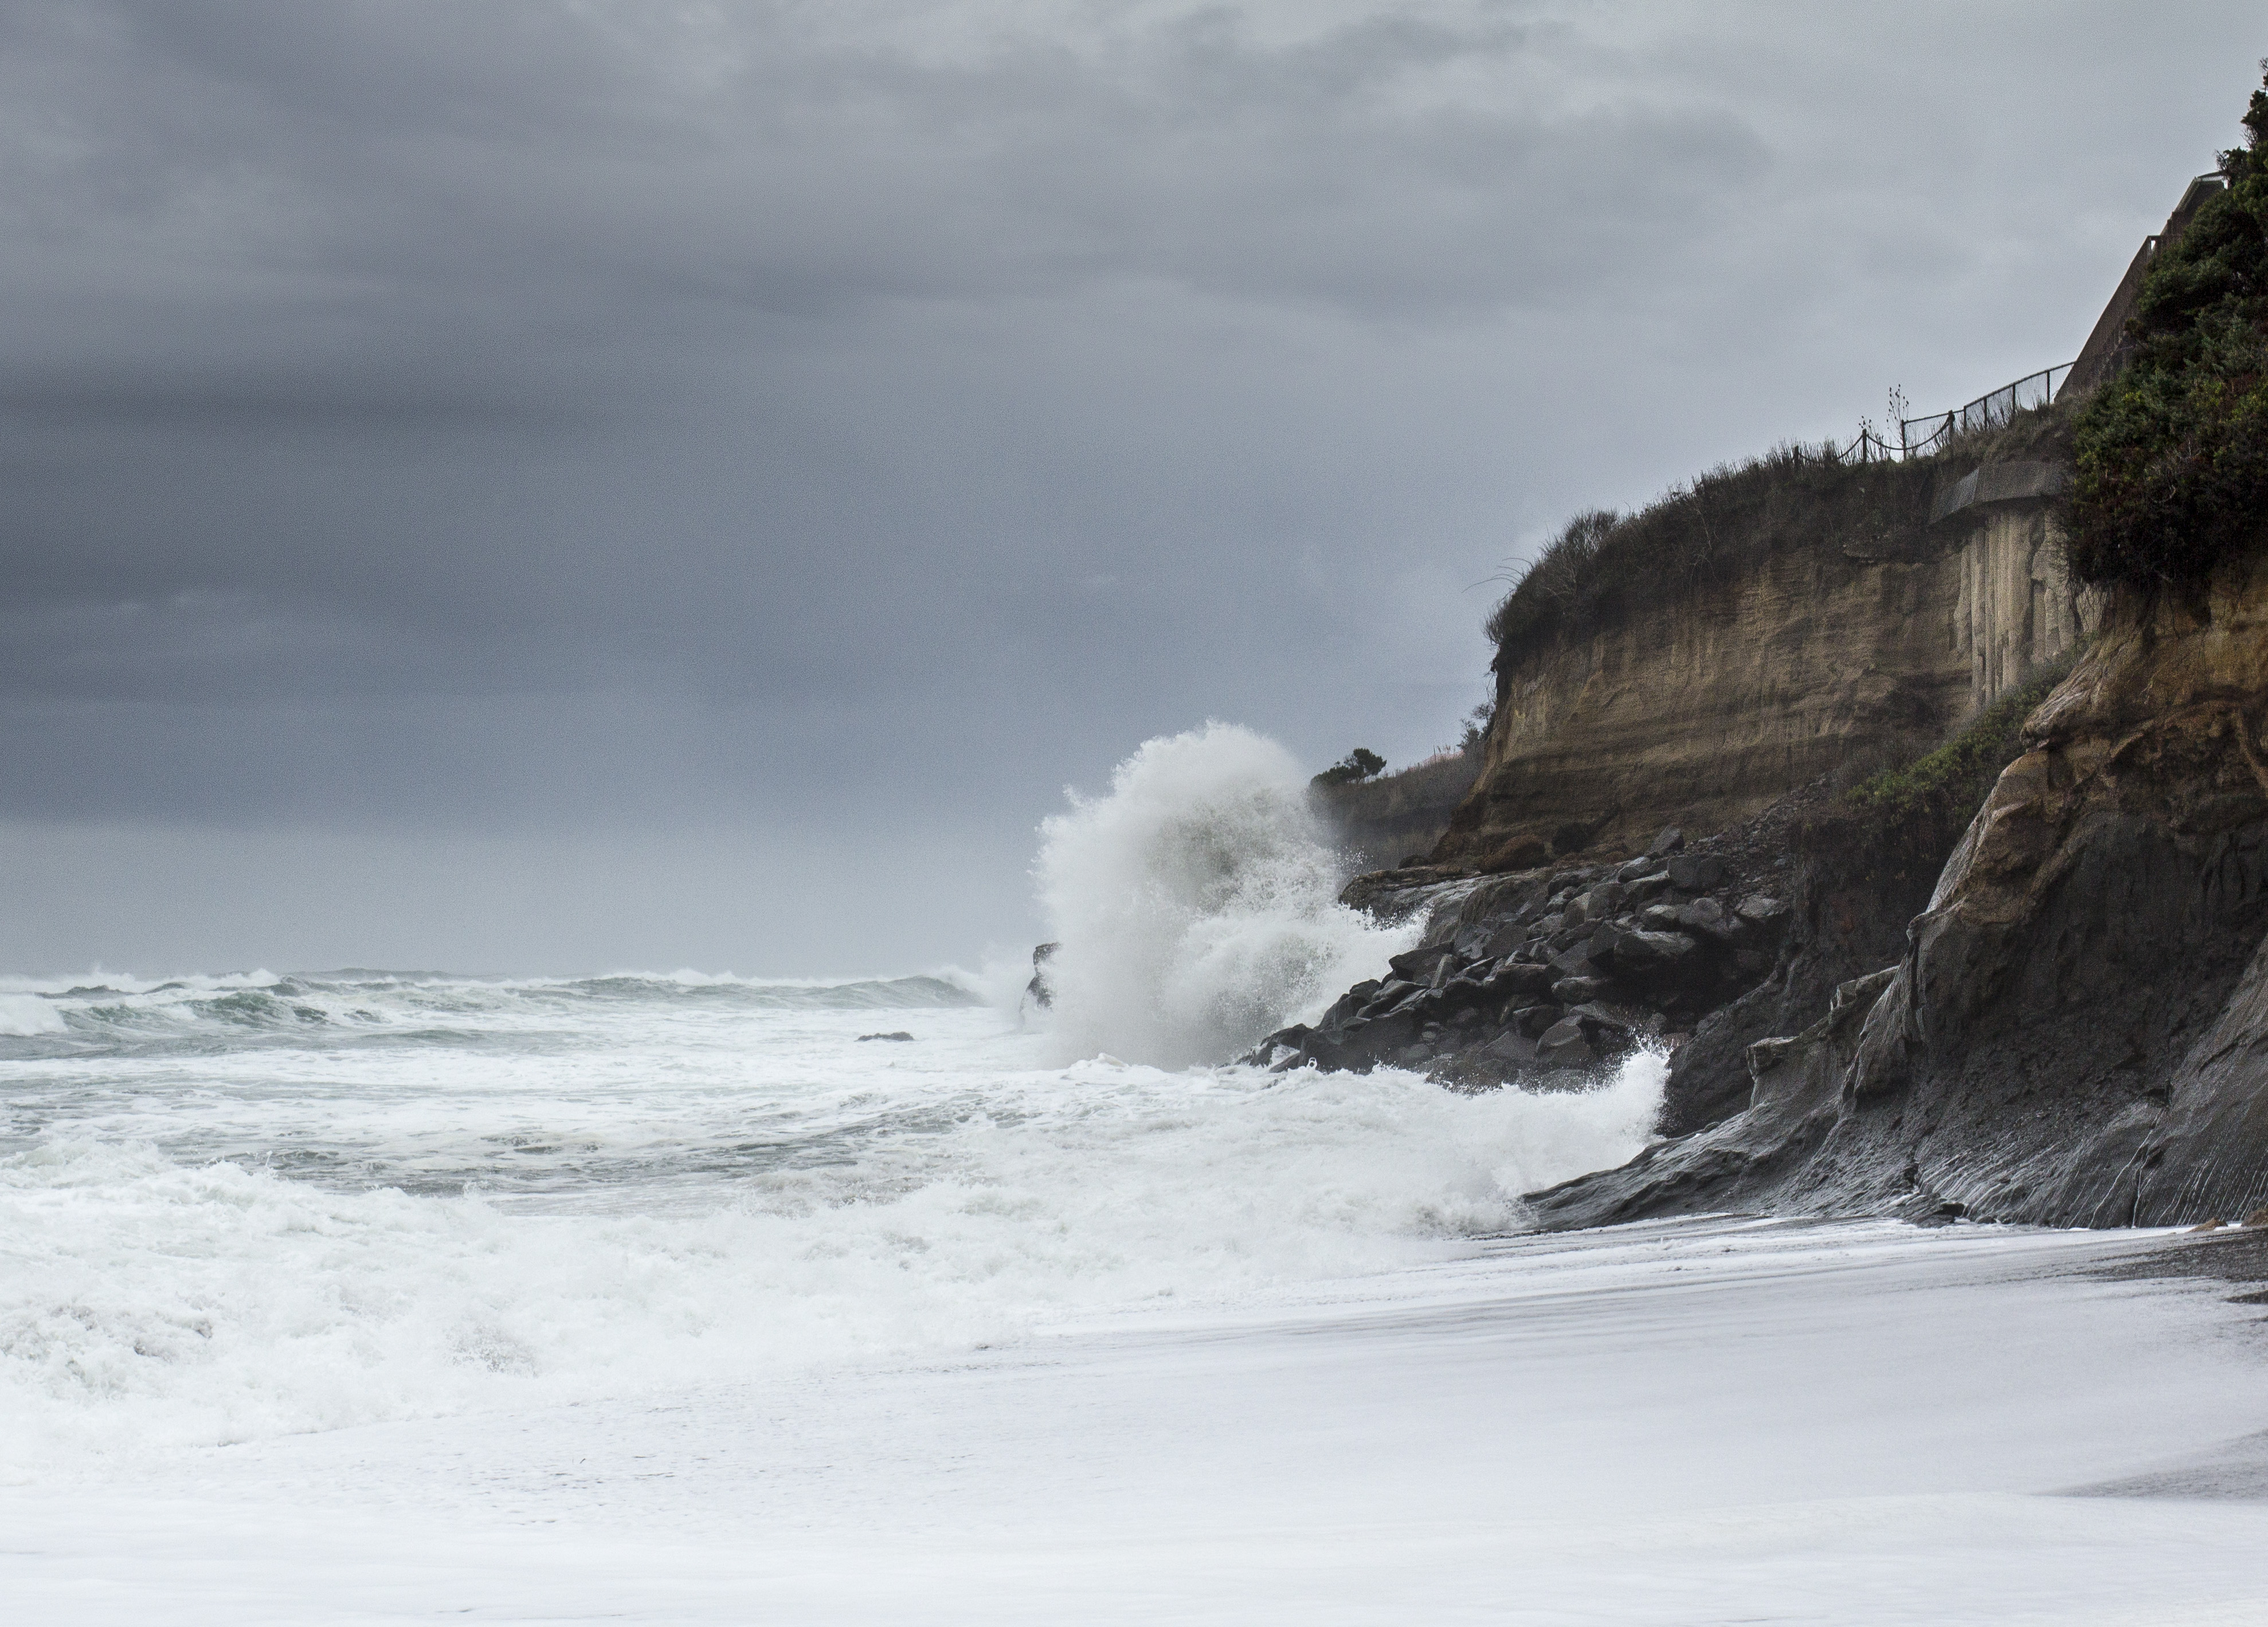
(1198, 903)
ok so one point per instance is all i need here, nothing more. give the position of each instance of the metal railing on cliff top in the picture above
(1919, 436)
(2101, 356)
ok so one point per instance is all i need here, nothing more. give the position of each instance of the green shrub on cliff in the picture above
(1950, 783)
(1889, 836)
(1356, 766)
(2173, 453)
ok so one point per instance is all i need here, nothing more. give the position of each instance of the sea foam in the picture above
(1196, 904)
(233, 1209)
(414, 1229)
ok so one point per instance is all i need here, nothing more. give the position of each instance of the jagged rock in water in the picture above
(1648, 957)
(1039, 991)
(1505, 959)
(1565, 1045)
(1574, 991)
(1515, 979)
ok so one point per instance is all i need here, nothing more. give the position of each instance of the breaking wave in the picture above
(50, 1017)
(676, 1224)
(237, 1207)
(1196, 904)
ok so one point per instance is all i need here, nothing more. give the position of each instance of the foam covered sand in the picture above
(1681, 1424)
(366, 1297)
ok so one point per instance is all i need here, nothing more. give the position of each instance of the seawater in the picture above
(233, 1208)
(393, 1296)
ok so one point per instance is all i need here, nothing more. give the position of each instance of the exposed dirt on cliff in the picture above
(2076, 1031)
(1802, 617)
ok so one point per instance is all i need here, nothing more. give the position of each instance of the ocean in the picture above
(241, 1208)
(380, 1296)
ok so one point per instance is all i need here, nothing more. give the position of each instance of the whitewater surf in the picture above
(366, 1296)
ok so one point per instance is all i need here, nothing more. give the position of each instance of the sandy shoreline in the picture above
(1712, 1421)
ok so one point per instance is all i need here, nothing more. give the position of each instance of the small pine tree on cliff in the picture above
(1356, 766)
(2173, 453)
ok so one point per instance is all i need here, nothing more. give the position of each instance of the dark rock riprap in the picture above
(1533, 974)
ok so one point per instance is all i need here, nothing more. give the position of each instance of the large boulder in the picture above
(1697, 872)
(1565, 1045)
(1653, 958)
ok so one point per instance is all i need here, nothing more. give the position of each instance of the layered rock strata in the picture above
(2076, 1029)
(1905, 600)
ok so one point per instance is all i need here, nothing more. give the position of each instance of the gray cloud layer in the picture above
(787, 443)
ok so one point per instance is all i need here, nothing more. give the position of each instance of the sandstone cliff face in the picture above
(1382, 821)
(2078, 1031)
(1869, 641)
(2014, 605)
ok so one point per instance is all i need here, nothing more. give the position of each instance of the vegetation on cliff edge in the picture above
(1903, 823)
(1603, 565)
(1958, 776)
(1356, 766)
(2173, 453)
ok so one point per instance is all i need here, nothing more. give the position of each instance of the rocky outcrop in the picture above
(1040, 993)
(2076, 1029)
(1876, 606)
(1546, 973)
(1852, 884)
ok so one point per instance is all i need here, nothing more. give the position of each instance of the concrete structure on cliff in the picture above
(2015, 609)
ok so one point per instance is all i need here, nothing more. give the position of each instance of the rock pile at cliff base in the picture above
(1546, 973)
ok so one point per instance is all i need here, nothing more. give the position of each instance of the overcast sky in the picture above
(553, 486)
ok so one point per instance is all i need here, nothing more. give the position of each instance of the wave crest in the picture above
(1198, 903)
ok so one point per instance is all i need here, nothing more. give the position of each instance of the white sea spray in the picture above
(237, 1208)
(1197, 904)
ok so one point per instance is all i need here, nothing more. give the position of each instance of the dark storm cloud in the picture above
(863, 418)
(795, 158)
(356, 248)
(538, 189)
(72, 400)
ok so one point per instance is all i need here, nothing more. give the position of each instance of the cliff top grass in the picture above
(1419, 782)
(2172, 455)
(1603, 565)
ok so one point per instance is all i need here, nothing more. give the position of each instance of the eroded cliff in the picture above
(1862, 613)
(1793, 620)
(1382, 821)
(2077, 1030)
